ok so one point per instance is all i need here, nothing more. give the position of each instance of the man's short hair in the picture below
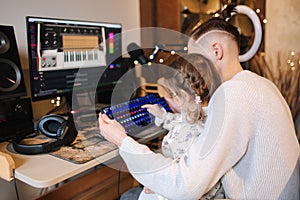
(216, 24)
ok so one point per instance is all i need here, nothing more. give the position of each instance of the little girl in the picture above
(187, 121)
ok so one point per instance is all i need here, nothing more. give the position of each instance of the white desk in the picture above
(45, 170)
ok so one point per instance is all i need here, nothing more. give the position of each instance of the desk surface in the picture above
(44, 170)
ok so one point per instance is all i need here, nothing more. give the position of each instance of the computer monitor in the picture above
(67, 55)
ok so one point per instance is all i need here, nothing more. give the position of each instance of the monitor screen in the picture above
(62, 50)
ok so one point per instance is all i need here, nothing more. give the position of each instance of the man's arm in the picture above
(218, 148)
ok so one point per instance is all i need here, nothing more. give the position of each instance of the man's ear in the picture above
(217, 50)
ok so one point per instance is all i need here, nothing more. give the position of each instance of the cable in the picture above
(15, 183)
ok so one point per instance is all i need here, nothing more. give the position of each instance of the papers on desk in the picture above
(88, 145)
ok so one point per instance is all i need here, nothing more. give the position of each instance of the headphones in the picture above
(52, 126)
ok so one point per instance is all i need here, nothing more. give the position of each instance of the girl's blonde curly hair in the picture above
(195, 75)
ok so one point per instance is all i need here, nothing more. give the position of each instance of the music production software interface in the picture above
(58, 48)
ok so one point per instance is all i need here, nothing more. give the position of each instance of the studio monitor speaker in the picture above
(11, 80)
(15, 118)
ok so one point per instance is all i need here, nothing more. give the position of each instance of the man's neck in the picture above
(230, 71)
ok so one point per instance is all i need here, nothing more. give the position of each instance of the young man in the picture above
(249, 140)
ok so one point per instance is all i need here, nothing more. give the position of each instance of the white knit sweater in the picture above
(249, 142)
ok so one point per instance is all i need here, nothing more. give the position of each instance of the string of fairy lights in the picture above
(292, 61)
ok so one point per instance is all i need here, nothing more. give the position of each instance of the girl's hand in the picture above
(155, 110)
(111, 130)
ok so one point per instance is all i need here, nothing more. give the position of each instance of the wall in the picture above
(281, 38)
(282, 28)
(13, 12)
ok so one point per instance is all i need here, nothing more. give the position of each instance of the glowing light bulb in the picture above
(292, 64)
(265, 21)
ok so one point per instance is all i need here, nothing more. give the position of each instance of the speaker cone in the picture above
(4, 43)
(10, 80)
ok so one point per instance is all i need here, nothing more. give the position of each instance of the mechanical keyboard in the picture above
(130, 114)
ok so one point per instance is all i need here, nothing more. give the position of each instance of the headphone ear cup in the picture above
(50, 124)
(68, 131)
(62, 130)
